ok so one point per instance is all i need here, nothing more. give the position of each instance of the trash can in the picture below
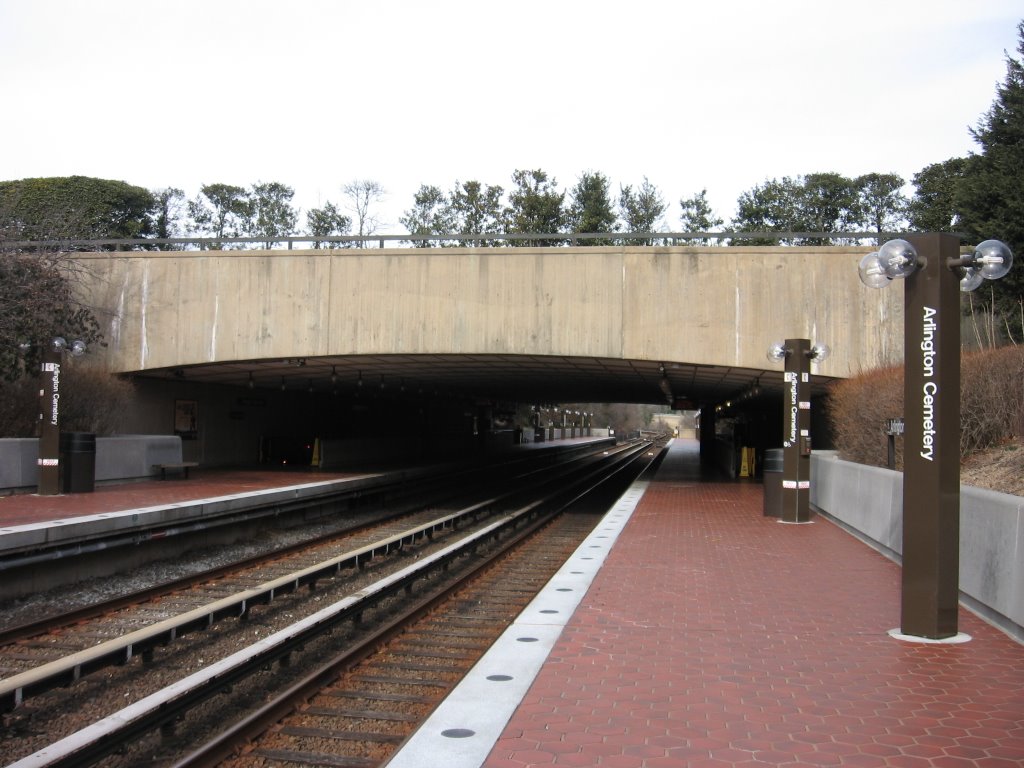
(78, 462)
(773, 467)
(538, 435)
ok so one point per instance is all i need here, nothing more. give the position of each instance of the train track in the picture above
(66, 560)
(327, 616)
(361, 716)
(418, 500)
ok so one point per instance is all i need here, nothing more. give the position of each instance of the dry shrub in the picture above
(858, 408)
(991, 406)
(91, 401)
(991, 398)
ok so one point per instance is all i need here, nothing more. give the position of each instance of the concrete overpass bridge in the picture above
(680, 324)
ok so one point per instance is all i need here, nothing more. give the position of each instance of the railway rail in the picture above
(435, 547)
(33, 556)
(360, 510)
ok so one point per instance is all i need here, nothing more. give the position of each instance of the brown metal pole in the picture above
(49, 421)
(796, 437)
(931, 457)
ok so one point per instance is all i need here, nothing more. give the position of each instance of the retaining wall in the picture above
(869, 502)
(124, 457)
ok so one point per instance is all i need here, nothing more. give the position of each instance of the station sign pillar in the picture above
(931, 447)
(49, 421)
(796, 437)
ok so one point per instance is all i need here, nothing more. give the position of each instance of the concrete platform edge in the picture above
(15, 538)
(464, 728)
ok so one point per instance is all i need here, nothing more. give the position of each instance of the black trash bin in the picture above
(78, 462)
(773, 482)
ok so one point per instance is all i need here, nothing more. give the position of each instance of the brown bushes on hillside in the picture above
(91, 401)
(858, 408)
(991, 398)
(991, 406)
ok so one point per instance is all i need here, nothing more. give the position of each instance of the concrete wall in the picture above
(18, 463)
(124, 457)
(869, 500)
(717, 306)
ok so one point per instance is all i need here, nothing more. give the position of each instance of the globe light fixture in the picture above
(970, 279)
(820, 353)
(777, 352)
(898, 259)
(780, 350)
(871, 271)
(992, 259)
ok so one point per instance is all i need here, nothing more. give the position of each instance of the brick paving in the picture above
(715, 637)
(24, 508)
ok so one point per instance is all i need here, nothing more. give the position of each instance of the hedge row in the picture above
(91, 401)
(991, 406)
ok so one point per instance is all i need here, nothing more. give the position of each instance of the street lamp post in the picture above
(932, 266)
(796, 425)
(49, 412)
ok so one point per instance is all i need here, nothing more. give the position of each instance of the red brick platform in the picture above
(716, 637)
(22, 508)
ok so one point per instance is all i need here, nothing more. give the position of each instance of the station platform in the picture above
(713, 636)
(29, 508)
(147, 507)
(200, 485)
(690, 631)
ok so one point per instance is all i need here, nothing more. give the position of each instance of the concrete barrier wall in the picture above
(869, 500)
(18, 467)
(124, 457)
(693, 304)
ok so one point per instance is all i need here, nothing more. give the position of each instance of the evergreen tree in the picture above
(642, 210)
(770, 207)
(818, 202)
(883, 205)
(990, 195)
(696, 215)
(428, 216)
(169, 211)
(271, 212)
(828, 202)
(74, 208)
(475, 209)
(220, 211)
(535, 207)
(327, 221)
(934, 207)
(590, 207)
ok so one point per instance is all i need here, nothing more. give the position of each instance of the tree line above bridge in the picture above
(977, 196)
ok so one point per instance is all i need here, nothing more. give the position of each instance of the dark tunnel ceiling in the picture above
(514, 378)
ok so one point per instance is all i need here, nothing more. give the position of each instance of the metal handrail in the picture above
(562, 238)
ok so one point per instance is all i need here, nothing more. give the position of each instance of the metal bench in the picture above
(181, 466)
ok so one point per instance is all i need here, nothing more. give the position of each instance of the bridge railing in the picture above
(476, 240)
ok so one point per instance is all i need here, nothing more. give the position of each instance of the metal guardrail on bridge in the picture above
(483, 239)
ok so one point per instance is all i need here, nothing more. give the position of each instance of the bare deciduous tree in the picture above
(362, 196)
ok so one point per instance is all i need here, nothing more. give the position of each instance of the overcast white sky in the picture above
(716, 94)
